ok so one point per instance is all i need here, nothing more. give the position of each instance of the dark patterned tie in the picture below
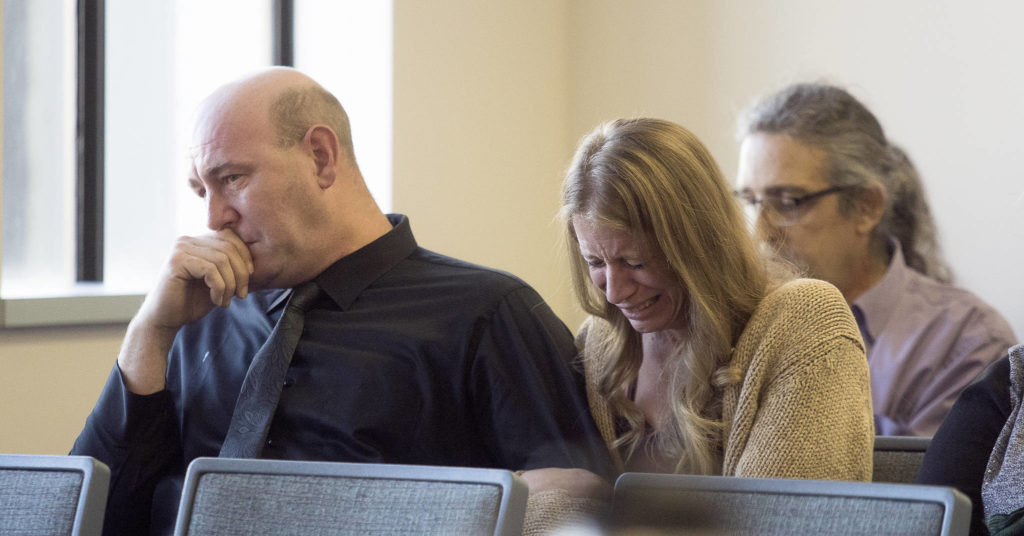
(261, 389)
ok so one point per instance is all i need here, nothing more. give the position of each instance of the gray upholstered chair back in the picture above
(253, 497)
(688, 504)
(898, 458)
(52, 494)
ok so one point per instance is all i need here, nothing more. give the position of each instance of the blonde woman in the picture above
(699, 360)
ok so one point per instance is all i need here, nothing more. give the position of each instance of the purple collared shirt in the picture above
(925, 342)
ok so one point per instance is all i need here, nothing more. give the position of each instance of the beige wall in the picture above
(49, 380)
(480, 134)
(490, 98)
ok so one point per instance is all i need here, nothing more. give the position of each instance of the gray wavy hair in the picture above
(830, 119)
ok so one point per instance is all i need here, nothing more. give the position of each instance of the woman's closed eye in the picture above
(632, 265)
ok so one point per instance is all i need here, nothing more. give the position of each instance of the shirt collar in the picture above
(878, 303)
(344, 280)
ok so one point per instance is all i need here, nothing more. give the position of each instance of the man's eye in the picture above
(595, 263)
(232, 178)
(638, 266)
(786, 203)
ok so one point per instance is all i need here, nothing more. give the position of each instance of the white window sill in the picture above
(81, 304)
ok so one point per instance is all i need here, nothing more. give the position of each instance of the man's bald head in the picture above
(291, 101)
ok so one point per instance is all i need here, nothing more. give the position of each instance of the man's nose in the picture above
(618, 285)
(219, 212)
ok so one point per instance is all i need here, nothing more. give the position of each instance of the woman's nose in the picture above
(618, 285)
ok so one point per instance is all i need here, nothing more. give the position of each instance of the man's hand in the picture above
(579, 483)
(202, 272)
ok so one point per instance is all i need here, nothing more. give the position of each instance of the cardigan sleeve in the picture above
(814, 420)
(803, 409)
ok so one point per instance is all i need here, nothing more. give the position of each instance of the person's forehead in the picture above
(770, 161)
(229, 122)
(224, 136)
(595, 238)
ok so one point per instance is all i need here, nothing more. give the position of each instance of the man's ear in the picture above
(870, 206)
(323, 144)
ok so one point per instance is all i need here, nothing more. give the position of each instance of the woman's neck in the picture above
(654, 377)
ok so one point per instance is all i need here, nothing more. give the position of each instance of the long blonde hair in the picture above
(655, 180)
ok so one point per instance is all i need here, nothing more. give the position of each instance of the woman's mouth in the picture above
(637, 309)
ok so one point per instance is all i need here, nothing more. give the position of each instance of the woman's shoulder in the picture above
(593, 331)
(583, 334)
(803, 298)
(804, 289)
(802, 308)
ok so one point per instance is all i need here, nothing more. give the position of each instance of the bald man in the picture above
(407, 356)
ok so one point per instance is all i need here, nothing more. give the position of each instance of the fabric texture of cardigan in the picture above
(801, 410)
(803, 407)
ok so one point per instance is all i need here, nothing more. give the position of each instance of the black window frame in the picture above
(90, 124)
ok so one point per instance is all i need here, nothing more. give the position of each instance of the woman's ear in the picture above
(322, 143)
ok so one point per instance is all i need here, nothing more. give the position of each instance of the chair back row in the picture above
(67, 495)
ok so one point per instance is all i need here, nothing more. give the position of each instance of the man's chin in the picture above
(791, 262)
(259, 281)
(799, 266)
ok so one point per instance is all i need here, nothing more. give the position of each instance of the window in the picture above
(38, 142)
(159, 60)
(357, 68)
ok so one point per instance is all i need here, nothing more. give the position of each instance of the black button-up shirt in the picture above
(408, 357)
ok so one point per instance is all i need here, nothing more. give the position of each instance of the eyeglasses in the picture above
(781, 210)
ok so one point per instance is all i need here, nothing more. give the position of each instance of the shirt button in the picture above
(288, 382)
(270, 443)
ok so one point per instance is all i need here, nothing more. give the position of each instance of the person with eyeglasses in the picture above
(827, 191)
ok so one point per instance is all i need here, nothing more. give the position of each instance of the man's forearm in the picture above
(143, 357)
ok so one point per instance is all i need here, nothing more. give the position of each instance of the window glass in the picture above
(346, 45)
(38, 146)
(162, 58)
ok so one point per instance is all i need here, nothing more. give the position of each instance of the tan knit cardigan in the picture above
(802, 409)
